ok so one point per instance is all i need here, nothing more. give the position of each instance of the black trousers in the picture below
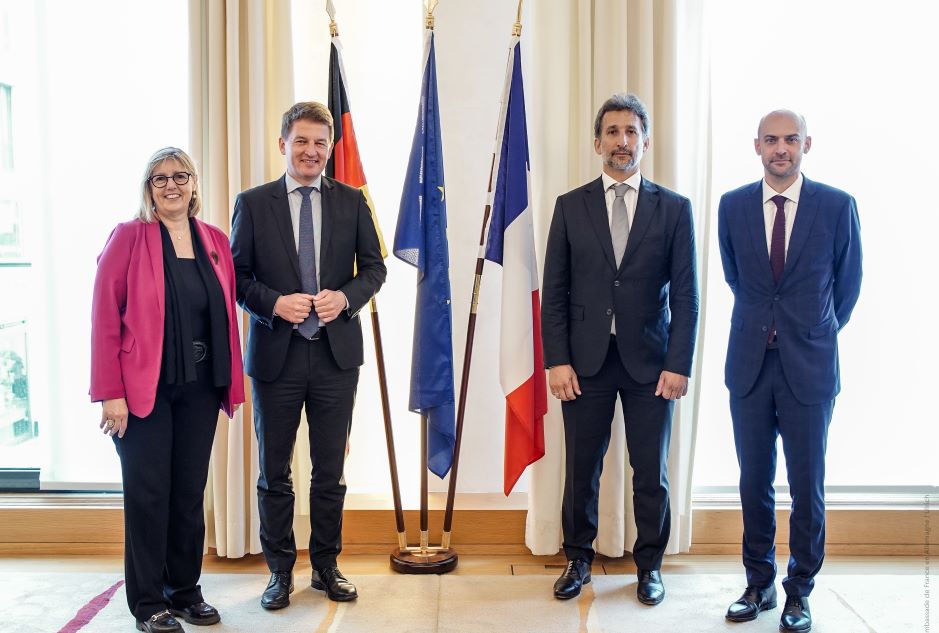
(310, 378)
(771, 410)
(164, 464)
(587, 424)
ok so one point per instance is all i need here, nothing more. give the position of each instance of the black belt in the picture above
(200, 350)
(320, 334)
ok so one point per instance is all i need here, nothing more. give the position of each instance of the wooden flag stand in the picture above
(424, 559)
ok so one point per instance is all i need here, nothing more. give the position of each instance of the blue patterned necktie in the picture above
(306, 252)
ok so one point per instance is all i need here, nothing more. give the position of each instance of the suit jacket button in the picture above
(765, 329)
(609, 311)
(616, 283)
(776, 298)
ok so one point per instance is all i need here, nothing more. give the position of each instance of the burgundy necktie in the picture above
(777, 249)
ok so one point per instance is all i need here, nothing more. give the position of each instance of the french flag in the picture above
(511, 244)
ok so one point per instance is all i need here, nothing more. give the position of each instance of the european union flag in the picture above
(421, 240)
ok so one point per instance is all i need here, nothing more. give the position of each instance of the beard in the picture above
(627, 163)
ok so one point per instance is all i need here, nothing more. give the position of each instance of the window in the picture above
(81, 111)
(858, 74)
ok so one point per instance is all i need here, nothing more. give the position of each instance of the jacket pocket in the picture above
(575, 312)
(824, 328)
(127, 341)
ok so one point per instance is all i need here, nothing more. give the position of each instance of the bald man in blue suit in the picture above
(791, 252)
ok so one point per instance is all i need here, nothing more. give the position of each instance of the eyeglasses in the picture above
(180, 178)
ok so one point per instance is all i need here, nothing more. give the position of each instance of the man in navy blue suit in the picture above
(791, 250)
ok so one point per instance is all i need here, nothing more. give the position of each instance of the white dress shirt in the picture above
(630, 198)
(769, 210)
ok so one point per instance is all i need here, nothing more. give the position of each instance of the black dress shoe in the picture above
(277, 594)
(796, 615)
(574, 577)
(162, 622)
(650, 590)
(331, 580)
(200, 614)
(753, 600)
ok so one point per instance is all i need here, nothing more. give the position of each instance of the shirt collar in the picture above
(633, 181)
(792, 193)
(293, 185)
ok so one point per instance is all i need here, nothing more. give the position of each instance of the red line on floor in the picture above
(87, 613)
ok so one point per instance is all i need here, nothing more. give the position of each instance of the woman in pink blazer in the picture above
(166, 356)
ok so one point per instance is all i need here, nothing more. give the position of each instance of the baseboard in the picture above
(52, 530)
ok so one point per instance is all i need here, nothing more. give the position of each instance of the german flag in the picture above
(345, 164)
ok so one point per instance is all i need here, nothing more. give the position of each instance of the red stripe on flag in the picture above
(88, 612)
(346, 160)
(525, 409)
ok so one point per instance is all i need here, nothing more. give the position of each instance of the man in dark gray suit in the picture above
(619, 317)
(295, 243)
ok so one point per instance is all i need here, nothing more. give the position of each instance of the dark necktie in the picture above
(777, 249)
(306, 252)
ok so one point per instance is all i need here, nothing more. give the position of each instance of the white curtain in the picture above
(242, 81)
(584, 51)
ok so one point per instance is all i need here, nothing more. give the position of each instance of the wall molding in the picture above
(94, 524)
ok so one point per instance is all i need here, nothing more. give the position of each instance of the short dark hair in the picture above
(623, 101)
(306, 111)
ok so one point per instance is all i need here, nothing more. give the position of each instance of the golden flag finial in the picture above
(333, 27)
(429, 6)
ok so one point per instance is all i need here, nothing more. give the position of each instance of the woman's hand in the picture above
(114, 417)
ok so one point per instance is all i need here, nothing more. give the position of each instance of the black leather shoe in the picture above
(331, 580)
(753, 600)
(277, 594)
(796, 615)
(650, 591)
(574, 577)
(162, 622)
(200, 614)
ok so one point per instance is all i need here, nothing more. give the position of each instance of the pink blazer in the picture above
(128, 309)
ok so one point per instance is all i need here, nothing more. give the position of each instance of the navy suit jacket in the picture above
(267, 266)
(813, 300)
(653, 295)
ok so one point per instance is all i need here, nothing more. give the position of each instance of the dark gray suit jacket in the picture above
(267, 266)
(653, 295)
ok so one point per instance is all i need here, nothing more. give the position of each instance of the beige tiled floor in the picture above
(372, 564)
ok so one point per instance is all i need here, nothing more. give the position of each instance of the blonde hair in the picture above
(146, 211)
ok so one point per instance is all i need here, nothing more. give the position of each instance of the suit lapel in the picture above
(327, 203)
(802, 227)
(596, 210)
(757, 225)
(155, 248)
(280, 210)
(646, 201)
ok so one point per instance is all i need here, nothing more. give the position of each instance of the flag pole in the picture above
(425, 559)
(382, 374)
(471, 331)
